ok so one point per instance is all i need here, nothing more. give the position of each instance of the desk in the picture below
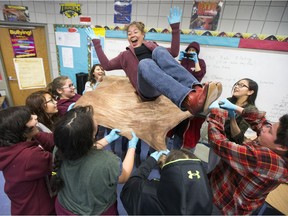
(278, 198)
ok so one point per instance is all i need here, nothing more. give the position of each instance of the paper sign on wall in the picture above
(30, 73)
(67, 39)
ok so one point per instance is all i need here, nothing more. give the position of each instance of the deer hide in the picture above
(117, 105)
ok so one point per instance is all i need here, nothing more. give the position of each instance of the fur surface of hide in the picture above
(117, 105)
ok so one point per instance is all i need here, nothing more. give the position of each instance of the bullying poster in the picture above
(22, 42)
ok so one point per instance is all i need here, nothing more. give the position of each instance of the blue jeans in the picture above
(164, 75)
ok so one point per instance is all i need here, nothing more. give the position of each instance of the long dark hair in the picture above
(91, 76)
(13, 127)
(37, 104)
(252, 86)
(73, 137)
(282, 132)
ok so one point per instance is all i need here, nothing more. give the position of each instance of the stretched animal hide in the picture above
(116, 105)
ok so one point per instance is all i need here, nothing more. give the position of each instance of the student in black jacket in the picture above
(183, 186)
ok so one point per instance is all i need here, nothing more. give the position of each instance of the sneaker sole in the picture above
(213, 93)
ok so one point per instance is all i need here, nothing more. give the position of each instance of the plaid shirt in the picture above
(247, 172)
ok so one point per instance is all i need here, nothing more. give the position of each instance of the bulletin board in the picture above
(224, 64)
(72, 50)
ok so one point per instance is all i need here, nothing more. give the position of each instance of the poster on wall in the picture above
(70, 9)
(30, 73)
(14, 13)
(22, 43)
(205, 15)
(122, 11)
(70, 39)
(100, 32)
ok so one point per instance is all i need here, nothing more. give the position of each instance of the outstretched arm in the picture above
(112, 136)
(253, 117)
(128, 162)
(174, 20)
(107, 64)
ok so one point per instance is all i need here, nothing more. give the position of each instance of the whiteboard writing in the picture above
(279, 109)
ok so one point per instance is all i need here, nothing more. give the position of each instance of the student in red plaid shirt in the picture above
(248, 172)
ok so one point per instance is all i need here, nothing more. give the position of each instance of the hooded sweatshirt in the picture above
(128, 61)
(190, 64)
(25, 167)
(183, 189)
(63, 104)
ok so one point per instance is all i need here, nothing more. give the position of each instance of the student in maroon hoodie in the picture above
(190, 60)
(26, 162)
(63, 89)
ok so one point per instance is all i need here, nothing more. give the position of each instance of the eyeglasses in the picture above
(69, 86)
(241, 85)
(51, 100)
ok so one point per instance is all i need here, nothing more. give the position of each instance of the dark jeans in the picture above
(164, 75)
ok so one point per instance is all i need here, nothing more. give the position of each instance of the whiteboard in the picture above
(228, 65)
(268, 69)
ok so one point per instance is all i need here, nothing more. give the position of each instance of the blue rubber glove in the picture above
(181, 55)
(231, 114)
(157, 154)
(70, 106)
(133, 142)
(113, 135)
(175, 15)
(194, 58)
(166, 152)
(226, 104)
(90, 33)
(215, 104)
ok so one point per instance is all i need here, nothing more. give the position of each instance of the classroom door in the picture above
(19, 96)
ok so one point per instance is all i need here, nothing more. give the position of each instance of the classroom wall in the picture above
(261, 17)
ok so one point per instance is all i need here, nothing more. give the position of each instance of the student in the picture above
(63, 90)
(86, 175)
(187, 133)
(247, 172)
(244, 94)
(153, 71)
(95, 77)
(42, 104)
(26, 162)
(190, 60)
(182, 189)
